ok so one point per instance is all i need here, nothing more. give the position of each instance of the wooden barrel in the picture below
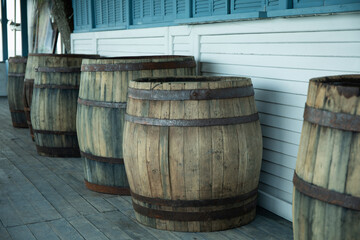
(28, 88)
(54, 102)
(101, 109)
(192, 151)
(326, 198)
(17, 66)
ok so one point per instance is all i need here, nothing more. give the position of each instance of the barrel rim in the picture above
(90, 56)
(17, 59)
(183, 79)
(150, 57)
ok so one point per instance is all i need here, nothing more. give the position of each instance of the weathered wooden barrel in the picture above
(54, 102)
(28, 88)
(192, 152)
(16, 73)
(101, 110)
(326, 198)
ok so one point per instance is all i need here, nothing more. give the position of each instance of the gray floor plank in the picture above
(42, 231)
(21, 233)
(109, 229)
(64, 230)
(4, 234)
(86, 229)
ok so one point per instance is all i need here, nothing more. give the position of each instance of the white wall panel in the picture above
(280, 55)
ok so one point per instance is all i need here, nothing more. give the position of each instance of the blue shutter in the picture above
(156, 8)
(111, 12)
(181, 8)
(219, 7)
(201, 8)
(120, 12)
(239, 6)
(146, 8)
(136, 11)
(81, 14)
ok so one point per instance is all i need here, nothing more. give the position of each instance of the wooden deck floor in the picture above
(45, 198)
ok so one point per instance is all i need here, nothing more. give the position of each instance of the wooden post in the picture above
(4, 21)
(24, 31)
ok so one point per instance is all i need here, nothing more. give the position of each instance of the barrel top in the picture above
(190, 82)
(17, 59)
(65, 55)
(346, 85)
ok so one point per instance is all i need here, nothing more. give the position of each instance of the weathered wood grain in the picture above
(17, 66)
(100, 128)
(197, 163)
(329, 158)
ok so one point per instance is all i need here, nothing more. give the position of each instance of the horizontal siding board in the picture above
(281, 134)
(280, 98)
(271, 73)
(279, 158)
(278, 170)
(285, 37)
(280, 110)
(278, 193)
(138, 48)
(132, 41)
(281, 122)
(281, 147)
(319, 63)
(285, 49)
(280, 85)
(276, 181)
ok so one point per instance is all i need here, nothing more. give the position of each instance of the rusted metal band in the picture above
(195, 94)
(53, 86)
(58, 69)
(196, 216)
(194, 203)
(17, 60)
(192, 122)
(107, 189)
(326, 195)
(16, 74)
(70, 133)
(26, 109)
(137, 66)
(58, 151)
(16, 111)
(102, 159)
(29, 80)
(102, 104)
(342, 121)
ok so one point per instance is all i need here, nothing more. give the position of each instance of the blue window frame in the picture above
(95, 15)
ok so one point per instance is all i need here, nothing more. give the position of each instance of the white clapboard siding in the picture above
(280, 55)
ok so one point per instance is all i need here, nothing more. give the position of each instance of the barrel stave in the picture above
(16, 71)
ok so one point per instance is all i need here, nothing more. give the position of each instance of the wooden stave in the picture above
(51, 134)
(214, 225)
(115, 112)
(17, 66)
(326, 219)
